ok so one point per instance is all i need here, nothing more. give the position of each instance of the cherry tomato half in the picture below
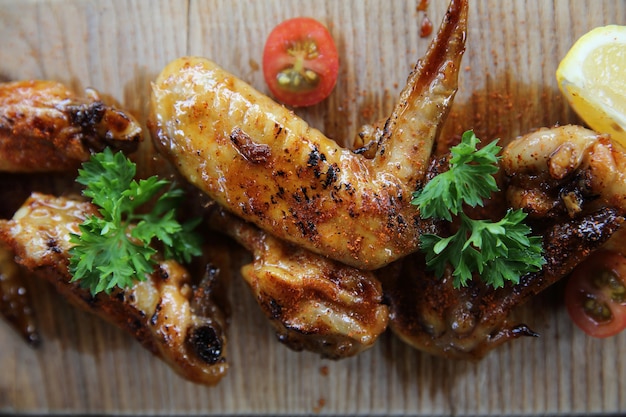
(595, 295)
(300, 62)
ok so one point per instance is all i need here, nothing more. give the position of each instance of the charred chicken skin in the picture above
(267, 166)
(571, 182)
(177, 319)
(45, 127)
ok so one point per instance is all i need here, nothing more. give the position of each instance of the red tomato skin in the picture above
(276, 58)
(579, 286)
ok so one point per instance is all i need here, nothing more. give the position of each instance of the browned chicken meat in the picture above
(314, 303)
(266, 165)
(176, 318)
(571, 181)
(45, 127)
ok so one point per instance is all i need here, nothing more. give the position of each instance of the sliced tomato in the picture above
(300, 62)
(595, 295)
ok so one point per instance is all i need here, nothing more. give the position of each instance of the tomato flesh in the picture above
(595, 295)
(300, 62)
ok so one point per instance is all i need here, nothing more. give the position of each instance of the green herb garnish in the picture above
(116, 248)
(498, 251)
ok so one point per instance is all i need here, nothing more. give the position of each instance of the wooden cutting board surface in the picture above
(507, 87)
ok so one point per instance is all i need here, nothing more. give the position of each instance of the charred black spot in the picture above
(275, 309)
(307, 228)
(400, 220)
(155, 317)
(305, 194)
(207, 344)
(163, 274)
(87, 115)
(277, 130)
(331, 176)
(335, 196)
(315, 157)
(51, 243)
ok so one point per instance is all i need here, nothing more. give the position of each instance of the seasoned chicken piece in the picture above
(571, 181)
(431, 315)
(266, 165)
(314, 303)
(553, 171)
(45, 127)
(15, 302)
(173, 317)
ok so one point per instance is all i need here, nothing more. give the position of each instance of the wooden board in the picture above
(507, 88)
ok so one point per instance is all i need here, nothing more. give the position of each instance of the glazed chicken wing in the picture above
(177, 319)
(431, 315)
(571, 182)
(45, 127)
(314, 303)
(559, 171)
(266, 165)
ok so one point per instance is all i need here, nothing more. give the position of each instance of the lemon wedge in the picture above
(592, 77)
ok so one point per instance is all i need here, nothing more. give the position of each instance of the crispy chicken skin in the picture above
(266, 165)
(313, 302)
(173, 317)
(571, 182)
(561, 170)
(45, 127)
(467, 323)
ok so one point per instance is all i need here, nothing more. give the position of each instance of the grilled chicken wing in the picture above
(571, 182)
(173, 317)
(45, 127)
(431, 315)
(269, 167)
(314, 303)
(553, 171)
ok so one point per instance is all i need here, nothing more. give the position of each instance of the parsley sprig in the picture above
(498, 251)
(115, 248)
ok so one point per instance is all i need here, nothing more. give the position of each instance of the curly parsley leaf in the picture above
(497, 251)
(468, 181)
(115, 248)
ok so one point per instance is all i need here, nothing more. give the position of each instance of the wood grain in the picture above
(507, 88)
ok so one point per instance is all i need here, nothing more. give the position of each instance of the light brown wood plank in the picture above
(507, 88)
